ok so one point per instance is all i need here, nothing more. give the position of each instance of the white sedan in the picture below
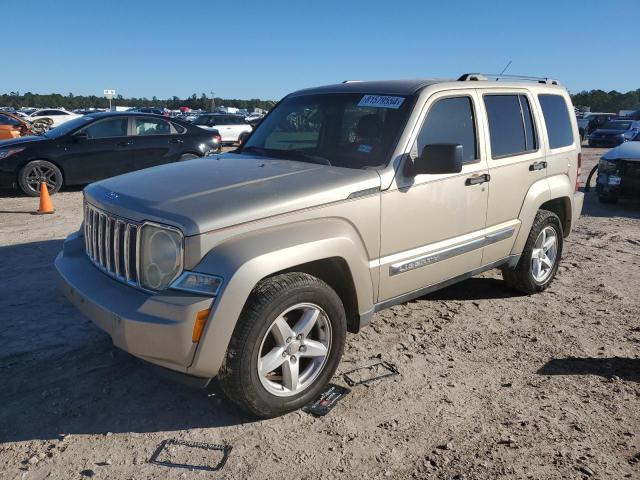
(230, 127)
(57, 115)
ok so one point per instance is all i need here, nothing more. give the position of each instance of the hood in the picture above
(629, 151)
(210, 193)
(21, 141)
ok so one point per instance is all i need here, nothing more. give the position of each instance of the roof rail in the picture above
(469, 77)
(351, 81)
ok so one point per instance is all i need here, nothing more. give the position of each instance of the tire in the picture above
(32, 172)
(523, 276)
(187, 156)
(265, 395)
(607, 200)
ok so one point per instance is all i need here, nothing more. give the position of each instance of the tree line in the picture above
(71, 101)
(598, 100)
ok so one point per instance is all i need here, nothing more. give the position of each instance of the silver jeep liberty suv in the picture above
(253, 265)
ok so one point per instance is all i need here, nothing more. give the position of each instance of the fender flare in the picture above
(244, 260)
(542, 191)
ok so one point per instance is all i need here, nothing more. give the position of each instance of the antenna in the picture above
(505, 68)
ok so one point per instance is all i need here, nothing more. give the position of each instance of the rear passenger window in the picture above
(511, 126)
(556, 116)
(451, 120)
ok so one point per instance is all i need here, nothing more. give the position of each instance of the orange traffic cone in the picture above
(46, 206)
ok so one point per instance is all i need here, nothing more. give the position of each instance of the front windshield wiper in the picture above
(287, 154)
(301, 155)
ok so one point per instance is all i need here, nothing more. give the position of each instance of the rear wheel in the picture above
(286, 345)
(34, 172)
(539, 261)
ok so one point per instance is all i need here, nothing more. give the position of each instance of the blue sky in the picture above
(252, 49)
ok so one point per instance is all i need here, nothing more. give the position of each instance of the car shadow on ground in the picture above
(623, 368)
(476, 288)
(61, 374)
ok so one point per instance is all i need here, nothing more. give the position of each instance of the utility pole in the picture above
(213, 101)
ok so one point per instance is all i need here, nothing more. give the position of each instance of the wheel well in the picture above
(335, 273)
(562, 208)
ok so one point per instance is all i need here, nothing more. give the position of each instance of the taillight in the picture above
(217, 138)
(578, 171)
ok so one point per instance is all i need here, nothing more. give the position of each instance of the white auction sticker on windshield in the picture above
(381, 101)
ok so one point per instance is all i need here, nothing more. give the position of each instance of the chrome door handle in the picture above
(537, 166)
(478, 179)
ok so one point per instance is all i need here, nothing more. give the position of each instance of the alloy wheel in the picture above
(294, 350)
(544, 255)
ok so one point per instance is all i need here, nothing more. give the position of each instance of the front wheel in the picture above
(286, 345)
(539, 261)
(35, 172)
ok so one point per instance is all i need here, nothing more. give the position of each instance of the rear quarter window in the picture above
(556, 117)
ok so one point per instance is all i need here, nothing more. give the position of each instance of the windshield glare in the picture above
(352, 130)
(67, 127)
(617, 126)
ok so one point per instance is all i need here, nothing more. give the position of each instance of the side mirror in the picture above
(439, 158)
(81, 137)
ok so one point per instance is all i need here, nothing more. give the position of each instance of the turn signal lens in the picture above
(198, 327)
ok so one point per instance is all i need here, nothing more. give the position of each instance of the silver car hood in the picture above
(210, 193)
(629, 151)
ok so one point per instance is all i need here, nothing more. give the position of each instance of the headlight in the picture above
(198, 283)
(161, 256)
(10, 151)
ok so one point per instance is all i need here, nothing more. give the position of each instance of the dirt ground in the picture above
(491, 384)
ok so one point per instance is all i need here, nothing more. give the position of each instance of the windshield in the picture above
(617, 125)
(67, 127)
(352, 130)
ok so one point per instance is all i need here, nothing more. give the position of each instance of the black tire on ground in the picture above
(239, 377)
(607, 200)
(188, 156)
(521, 277)
(36, 170)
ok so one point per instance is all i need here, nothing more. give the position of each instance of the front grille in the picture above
(112, 244)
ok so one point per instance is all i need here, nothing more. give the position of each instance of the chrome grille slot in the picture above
(112, 244)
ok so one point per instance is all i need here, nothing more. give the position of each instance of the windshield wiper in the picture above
(302, 155)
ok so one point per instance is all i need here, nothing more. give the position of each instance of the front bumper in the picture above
(154, 327)
(605, 142)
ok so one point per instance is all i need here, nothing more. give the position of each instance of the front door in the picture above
(105, 152)
(432, 226)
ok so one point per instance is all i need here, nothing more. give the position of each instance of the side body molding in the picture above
(246, 259)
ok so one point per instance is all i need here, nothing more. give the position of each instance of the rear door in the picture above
(516, 161)
(156, 142)
(105, 153)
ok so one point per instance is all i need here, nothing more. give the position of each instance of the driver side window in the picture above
(450, 120)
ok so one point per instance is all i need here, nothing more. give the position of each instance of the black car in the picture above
(98, 146)
(614, 133)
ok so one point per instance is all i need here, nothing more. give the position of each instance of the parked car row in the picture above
(100, 145)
